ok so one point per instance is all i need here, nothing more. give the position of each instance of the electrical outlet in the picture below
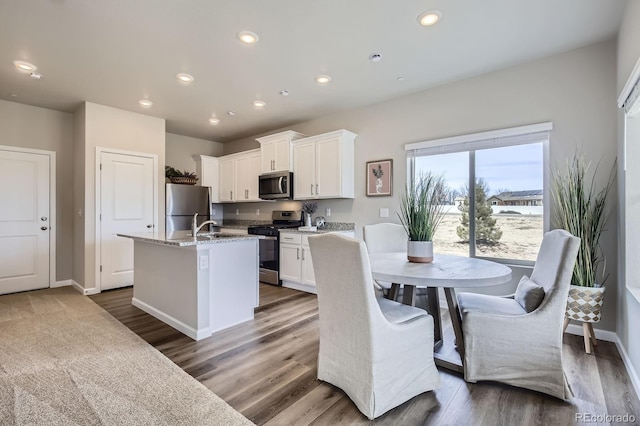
(327, 212)
(204, 262)
(257, 212)
(213, 212)
(237, 211)
(384, 212)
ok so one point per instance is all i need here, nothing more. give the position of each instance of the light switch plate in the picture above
(327, 212)
(384, 212)
(204, 262)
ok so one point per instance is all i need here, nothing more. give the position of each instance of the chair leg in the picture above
(594, 341)
(393, 291)
(566, 324)
(587, 339)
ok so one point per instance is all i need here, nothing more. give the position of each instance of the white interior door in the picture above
(127, 206)
(24, 221)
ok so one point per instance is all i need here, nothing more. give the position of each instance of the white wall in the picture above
(39, 128)
(106, 127)
(575, 90)
(628, 306)
(181, 149)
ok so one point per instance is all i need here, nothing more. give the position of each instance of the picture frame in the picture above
(379, 178)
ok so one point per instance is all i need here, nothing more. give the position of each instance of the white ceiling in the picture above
(115, 52)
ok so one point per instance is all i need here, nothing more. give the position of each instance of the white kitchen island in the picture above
(196, 285)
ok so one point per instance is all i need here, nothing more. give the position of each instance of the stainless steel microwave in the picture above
(276, 186)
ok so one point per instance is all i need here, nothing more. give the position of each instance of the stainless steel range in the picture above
(270, 244)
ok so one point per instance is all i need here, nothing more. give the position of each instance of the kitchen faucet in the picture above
(194, 225)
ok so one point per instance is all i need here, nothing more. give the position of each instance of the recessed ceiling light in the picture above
(285, 92)
(259, 104)
(375, 57)
(214, 121)
(323, 79)
(247, 37)
(400, 79)
(185, 78)
(145, 103)
(231, 113)
(25, 66)
(35, 75)
(429, 17)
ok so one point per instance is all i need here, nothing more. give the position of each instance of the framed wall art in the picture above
(379, 178)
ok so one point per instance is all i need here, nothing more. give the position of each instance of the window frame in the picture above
(470, 143)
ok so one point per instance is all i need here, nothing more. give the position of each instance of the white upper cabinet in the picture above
(247, 172)
(227, 179)
(276, 151)
(239, 177)
(208, 170)
(323, 166)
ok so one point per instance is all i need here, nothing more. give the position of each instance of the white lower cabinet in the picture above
(296, 265)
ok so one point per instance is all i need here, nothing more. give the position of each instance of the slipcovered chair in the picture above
(518, 340)
(390, 238)
(379, 352)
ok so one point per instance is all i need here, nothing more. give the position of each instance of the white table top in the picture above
(445, 271)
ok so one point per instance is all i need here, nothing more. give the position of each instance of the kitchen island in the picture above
(196, 285)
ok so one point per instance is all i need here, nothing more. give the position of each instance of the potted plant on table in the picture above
(421, 211)
(580, 208)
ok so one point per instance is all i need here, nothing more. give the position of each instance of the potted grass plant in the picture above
(579, 207)
(421, 211)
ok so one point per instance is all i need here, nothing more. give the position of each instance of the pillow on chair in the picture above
(529, 294)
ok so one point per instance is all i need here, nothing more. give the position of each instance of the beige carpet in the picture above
(65, 361)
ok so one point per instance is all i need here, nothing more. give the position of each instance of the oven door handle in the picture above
(265, 237)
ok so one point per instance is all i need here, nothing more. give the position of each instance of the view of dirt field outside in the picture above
(521, 237)
(509, 179)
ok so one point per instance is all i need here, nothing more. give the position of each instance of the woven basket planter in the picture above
(585, 303)
(183, 180)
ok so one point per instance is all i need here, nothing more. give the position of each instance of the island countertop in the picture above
(184, 238)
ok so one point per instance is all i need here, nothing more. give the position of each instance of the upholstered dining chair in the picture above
(390, 238)
(518, 340)
(379, 352)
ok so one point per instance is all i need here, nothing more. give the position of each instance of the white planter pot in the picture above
(585, 303)
(420, 251)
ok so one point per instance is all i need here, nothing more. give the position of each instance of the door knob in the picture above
(149, 226)
(44, 228)
(43, 218)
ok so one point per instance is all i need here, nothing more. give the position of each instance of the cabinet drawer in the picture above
(290, 238)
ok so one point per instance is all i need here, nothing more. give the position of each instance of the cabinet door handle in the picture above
(273, 164)
(297, 254)
(231, 195)
(303, 254)
(316, 189)
(311, 189)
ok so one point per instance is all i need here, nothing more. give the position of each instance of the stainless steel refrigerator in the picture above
(182, 201)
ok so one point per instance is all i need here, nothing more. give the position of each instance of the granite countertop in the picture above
(183, 238)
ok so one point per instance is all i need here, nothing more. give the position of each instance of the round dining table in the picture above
(447, 272)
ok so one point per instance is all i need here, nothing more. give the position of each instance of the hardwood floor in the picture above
(266, 369)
